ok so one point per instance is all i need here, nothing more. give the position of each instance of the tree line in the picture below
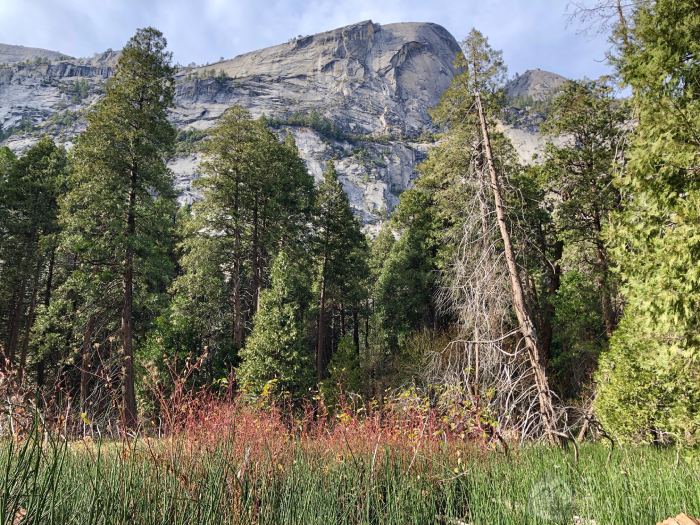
(553, 299)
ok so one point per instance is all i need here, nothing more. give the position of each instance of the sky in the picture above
(531, 33)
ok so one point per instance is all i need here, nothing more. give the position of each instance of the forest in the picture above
(545, 314)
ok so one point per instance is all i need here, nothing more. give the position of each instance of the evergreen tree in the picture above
(257, 198)
(342, 254)
(276, 361)
(30, 187)
(649, 381)
(118, 212)
(405, 284)
(580, 172)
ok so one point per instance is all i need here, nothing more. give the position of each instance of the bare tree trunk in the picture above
(624, 28)
(586, 421)
(129, 415)
(527, 327)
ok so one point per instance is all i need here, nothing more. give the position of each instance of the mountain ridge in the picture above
(358, 94)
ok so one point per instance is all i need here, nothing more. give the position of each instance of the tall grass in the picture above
(265, 472)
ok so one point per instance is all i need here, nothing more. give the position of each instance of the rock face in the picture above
(359, 94)
(529, 95)
(13, 54)
(366, 78)
(534, 84)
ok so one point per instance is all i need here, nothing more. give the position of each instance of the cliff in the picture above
(358, 94)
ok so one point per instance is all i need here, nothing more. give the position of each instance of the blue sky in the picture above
(531, 33)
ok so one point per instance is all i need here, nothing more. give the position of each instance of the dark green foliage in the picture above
(405, 284)
(117, 216)
(344, 372)
(313, 120)
(29, 189)
(77, 90)
(656, 237)
(324, 127)
(341, 253)
(257, 198)
(579, 334)
(588, 127)
(276, 362)
(189, 141)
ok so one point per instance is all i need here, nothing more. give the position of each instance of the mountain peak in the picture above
(535, 84)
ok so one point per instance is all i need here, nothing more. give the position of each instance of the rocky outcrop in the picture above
(366, 78)
(360, 94)
(529, 96)
(10, 54)
(535, 85)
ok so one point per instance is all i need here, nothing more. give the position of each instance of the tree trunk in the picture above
(28, 324)
(342, 320)
(483, 209)
(527, 327)
(609, 317)
(129, 415)
(624, 28)
(553, 272)
(255, 256)
(356, 329)
(41, 365)
(13, 325)
(367, 314)
(237, 276)
(321, 360)
(49, 278)
(86, 358)
(321, 330)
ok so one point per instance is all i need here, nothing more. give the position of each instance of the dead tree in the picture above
(525, 321)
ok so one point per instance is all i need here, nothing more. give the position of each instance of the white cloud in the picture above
(531, 33)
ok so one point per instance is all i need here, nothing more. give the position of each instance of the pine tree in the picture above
(257, 198)
(30, 188)
(649, 381)
(580, 172)
(118, 212)
(342, 254)
(276, 361)
(405, 283)
(490, 238)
